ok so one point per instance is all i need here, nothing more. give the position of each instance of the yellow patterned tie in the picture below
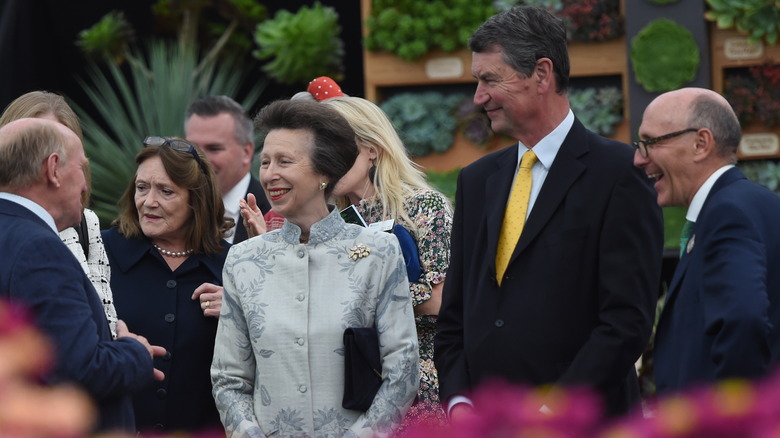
(514, 216)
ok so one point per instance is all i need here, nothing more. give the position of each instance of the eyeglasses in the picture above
(176, 145)
(641, 145)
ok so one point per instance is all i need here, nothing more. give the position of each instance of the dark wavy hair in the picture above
(209, 223)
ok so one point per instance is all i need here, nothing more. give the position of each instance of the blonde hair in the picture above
(397, 176)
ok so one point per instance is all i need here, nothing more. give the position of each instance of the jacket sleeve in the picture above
(233, 366)
(54, 287)
(629, 267)
(398, 348)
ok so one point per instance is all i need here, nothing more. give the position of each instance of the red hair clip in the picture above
(324, 88)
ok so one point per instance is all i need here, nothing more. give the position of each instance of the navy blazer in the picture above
(157, 303)
(257, 189)
(40, 272)
(577, 303)
(722, 313)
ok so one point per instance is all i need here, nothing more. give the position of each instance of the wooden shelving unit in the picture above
(731, 49)
(384, 71)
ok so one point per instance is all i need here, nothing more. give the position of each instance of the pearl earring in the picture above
(323, 185)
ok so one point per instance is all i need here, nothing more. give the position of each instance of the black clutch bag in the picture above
(362, 368)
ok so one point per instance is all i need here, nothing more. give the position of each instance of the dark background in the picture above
(38, 51)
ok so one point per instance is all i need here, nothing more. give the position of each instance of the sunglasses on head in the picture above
(176, 145)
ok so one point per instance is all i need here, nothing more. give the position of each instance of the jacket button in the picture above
(161, 393)
(300, 297)
(499, 323)
(170, 317)
(300, 341)
(302, 388)
(171, 284)
(301, 254)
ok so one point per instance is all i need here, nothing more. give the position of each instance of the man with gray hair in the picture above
(222, 130)
(41, 185)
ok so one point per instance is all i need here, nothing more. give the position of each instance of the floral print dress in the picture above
(432, 217)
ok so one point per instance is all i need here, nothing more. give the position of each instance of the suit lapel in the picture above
(565, 170)
(726, 179)
(497, 188)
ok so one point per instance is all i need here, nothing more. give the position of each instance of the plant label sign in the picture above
(759, 145)
(740, 48)
(444, 68)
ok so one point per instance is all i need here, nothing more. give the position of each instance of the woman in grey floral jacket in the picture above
(289, 294)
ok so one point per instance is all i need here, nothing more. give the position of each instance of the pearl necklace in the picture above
(173, 253)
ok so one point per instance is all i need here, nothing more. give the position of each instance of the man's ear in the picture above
(704, 145)
(51, 169)
(543, 74)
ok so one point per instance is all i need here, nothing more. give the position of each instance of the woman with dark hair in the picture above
(166, 252)
(278, 366)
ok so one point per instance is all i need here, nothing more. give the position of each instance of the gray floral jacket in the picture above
(278, 367)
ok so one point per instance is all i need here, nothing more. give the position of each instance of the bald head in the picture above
(24, 146)
(696, 108)
(44, 161)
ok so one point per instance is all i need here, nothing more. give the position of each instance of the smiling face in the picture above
(509, 99)
(289, 179)
(163, 207)
(670, 161)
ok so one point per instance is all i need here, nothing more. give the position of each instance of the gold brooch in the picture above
(359, 251)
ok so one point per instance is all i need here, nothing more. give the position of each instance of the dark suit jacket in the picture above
(39, 272)
(577, 303)
(722, 313)
(257, 189)
(157, 303)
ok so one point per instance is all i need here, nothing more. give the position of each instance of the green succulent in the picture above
(599, 109)
(425, 121)
(764, 172)
(108, 38)
(412, 28)
(150, 100)
(760, 19)
(664, 56)
(302, 45)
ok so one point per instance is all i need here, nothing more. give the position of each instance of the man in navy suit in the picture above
(222, 130)
(576, 303)
(41, 186)
(721, 318)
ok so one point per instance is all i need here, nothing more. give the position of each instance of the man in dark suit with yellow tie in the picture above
(571, 301)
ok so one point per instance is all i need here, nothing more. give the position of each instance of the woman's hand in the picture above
(431, 306)
(252, 216)
(210, 296)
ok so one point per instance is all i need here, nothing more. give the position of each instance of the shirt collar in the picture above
(548, 147)
(701, 195)
(32, 206)
(235, 194)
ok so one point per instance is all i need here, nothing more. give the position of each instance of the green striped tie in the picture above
(685, 235)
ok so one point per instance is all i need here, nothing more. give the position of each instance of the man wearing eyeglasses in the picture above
(222, 130)
(721, 318)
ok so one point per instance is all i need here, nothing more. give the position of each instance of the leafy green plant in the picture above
(425, 121)
(760, 19)
(445, 182)
(303, 45)
(107, 38)
(764, 172)
(150, 100)
(599, 109)
(412, 28)
(755, 96)
(664, 56)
